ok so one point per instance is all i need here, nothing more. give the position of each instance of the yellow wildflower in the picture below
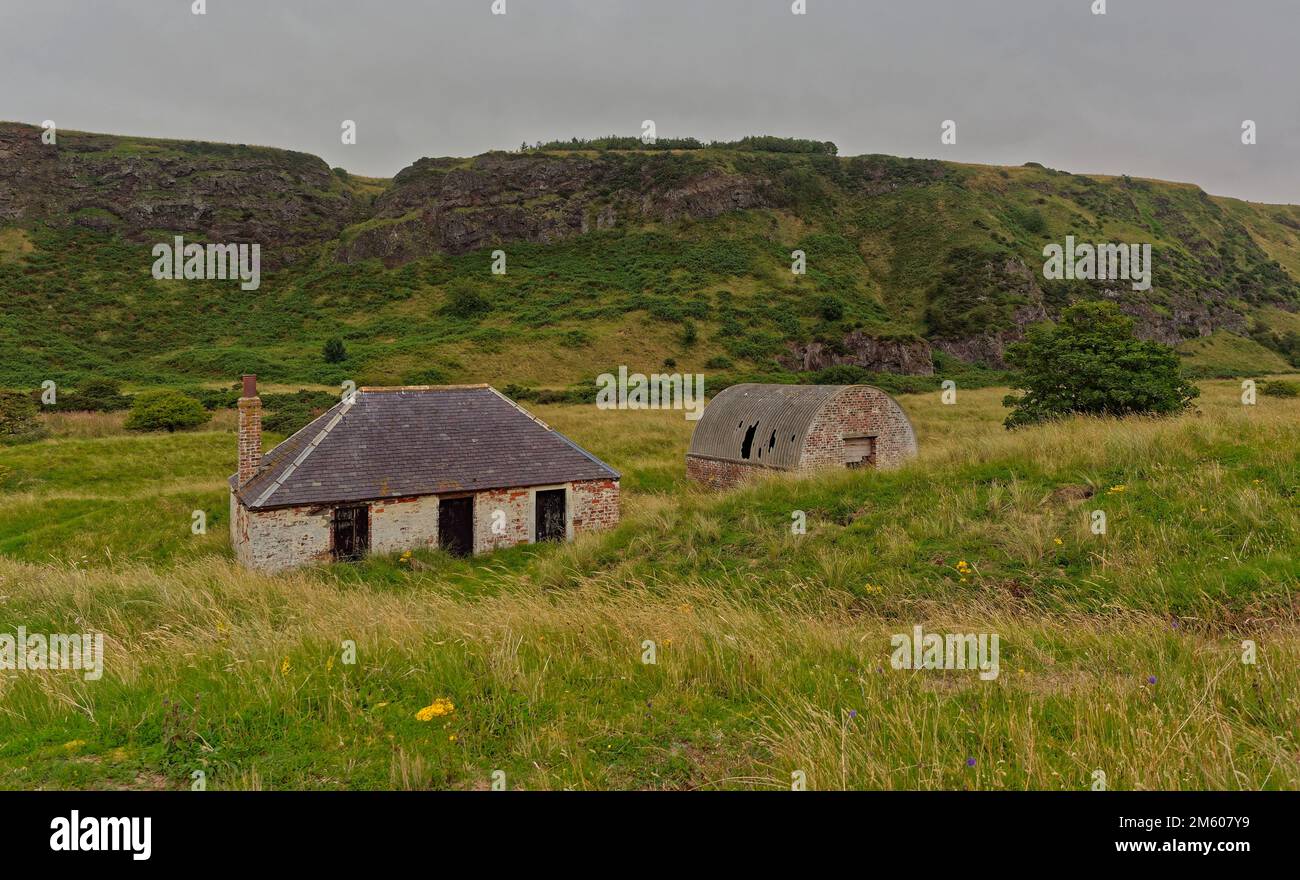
(284, 666)
(436, 709)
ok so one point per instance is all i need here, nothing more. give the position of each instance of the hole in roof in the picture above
(748, 442)
(771, 441)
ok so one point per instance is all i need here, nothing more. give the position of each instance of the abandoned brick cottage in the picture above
(458, 467)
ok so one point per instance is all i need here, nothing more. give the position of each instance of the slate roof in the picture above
(403, 442)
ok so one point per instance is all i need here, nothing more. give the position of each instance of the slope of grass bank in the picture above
(1119, 652)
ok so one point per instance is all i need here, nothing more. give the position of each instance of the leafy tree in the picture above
(1091, 363)
(165, 409)
(18, 418)
(335, 352)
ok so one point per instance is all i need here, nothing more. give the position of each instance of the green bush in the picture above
(1281, 388)
(18, 418)
(831, 308)
(165, 409)
(288, 413)
(1091, 363)
(335, 352)
(465, 301)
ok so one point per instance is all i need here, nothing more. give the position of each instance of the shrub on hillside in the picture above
(18, 418)
(1281, 388)
(95, 395)
(334, 351)
(165, 409)
(465, 301)
(831, 308)
(1091, 363)
(288, 413)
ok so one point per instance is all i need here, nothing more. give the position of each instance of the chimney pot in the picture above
(250, 386)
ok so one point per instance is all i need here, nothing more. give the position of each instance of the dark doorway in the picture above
(456, 526)
(350, 532)
(551, 525)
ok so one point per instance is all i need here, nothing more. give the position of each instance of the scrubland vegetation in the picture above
(1120, 652)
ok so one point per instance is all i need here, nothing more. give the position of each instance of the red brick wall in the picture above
(859, 411)
(595, 505)
(719, 474)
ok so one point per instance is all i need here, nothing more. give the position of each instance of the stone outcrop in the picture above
(145, 189)
(456, 205)
(911, 357)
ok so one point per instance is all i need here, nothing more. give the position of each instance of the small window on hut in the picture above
(860, 452)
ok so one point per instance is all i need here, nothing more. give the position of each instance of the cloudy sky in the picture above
(1155, 88)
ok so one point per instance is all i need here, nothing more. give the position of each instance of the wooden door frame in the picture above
(472, 498)
(568, 509)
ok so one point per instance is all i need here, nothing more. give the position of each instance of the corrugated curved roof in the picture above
(775, 418)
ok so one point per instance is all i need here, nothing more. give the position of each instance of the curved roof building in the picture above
(797, 428)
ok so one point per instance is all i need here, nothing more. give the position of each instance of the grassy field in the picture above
(1119, 652)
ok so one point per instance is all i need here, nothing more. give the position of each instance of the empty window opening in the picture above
(748, 443)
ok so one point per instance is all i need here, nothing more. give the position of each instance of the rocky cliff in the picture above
(147, 189)
(904, 257)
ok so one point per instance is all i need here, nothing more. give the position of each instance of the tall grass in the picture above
(1119, 652)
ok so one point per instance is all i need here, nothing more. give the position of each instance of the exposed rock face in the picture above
(455, 205)
(145, 189)
(909, 357)
(1014, 281)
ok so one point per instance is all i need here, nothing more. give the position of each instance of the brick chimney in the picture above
(250, 431)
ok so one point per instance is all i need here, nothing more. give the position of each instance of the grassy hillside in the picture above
(614, 257)
(1120, 652)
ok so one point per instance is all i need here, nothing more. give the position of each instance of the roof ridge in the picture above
(384, 388)
(279, 481)
(518, 407)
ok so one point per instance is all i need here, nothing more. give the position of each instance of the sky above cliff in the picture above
(1154, 88)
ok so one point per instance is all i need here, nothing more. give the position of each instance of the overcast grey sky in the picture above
(1155, 88)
